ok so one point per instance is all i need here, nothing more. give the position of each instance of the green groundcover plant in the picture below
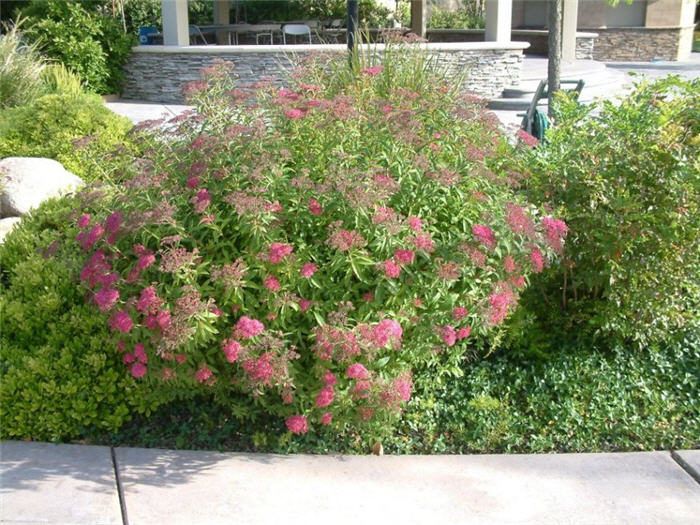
(310, 252)
(581, 400)
(626, 178)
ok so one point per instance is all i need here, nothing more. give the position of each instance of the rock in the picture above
(27, 182)
(6, 226)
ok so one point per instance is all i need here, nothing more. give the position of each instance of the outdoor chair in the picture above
(196, 33)
(295, 30)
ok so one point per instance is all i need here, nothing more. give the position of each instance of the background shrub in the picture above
(89, 43)
(76, 130)
(58, 376)
(626, 178)
(469, 15)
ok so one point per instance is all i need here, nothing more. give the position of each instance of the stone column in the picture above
(568, 30)
(419, 19)
(175, 23)
(221, 17)
(498, 20)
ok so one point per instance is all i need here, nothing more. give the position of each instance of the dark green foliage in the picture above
(582, 401)
(54, 126)
(58, 377)
(626, 179)
(89, 43)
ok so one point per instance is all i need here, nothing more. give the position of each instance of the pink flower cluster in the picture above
(484, 235)
(246, 328)
(279, 251)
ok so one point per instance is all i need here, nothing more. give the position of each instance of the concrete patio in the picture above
(46, 483)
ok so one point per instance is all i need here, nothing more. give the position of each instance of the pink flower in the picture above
(357, 371)
(484, 234)
(459, 312)
(537, 260)
(326, 418)
(193, 182)
(372, 71)
(404, 256)
(526, 138)
(403, 386)
(297, 424)
(304, 304)
(247, 327)
(271, 283)
(329, 379)
(140, 353)
(509, 264)
(148, 301)
(128, 358)
(415, 224)
(325, 396)
(106, 298)
(279, 251)
(93, 235)
(448, 335)
(231, 349)
(387, 331)
(84, 220)
(464, 332)
(391, 269)
(368, 297)
(294, 113)
(163, 319)
(201, 201)
(203, 374)
(308, 270)
(113, 222)
(121, 321)
(145, 261)
(138, 370)
(423, 242)
(315, 207)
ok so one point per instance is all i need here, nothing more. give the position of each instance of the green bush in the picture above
(75, 130)
(625, 176)
(90, 44)
(21, 67)
(469, 16)
(58, 376)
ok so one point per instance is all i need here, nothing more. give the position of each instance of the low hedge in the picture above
(58, 376)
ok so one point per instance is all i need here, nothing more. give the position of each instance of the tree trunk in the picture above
(554, 41)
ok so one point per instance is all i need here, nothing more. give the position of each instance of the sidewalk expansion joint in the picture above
(120, 489)
(685, 466)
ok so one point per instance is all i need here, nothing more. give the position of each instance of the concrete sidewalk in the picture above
(46, 483)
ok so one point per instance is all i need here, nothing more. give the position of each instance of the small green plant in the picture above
(57, 79)
(75, 129)
(626, 177)
(21, 67)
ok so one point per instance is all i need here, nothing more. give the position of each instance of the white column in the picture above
(499, 14)
(221, 16)
(175, 23)
(568, 30)
(419, 20)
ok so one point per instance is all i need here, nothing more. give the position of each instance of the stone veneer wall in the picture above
(629, 44)
(157, 73)
(537, 38)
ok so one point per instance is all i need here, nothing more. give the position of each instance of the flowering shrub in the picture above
(319, 247)
(626, 178)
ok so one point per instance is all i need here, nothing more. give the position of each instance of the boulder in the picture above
(6, 226)
(26, 182)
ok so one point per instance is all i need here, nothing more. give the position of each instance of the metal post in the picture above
(352, 24)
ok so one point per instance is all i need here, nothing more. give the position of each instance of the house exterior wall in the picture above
(158, 73)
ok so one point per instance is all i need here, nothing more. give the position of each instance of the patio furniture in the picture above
(295, 30)
(195, 33)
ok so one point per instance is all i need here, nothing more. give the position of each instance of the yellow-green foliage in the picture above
(57, 375)
(51, 126)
